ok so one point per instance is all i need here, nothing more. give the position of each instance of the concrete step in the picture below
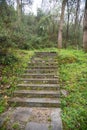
(39, 75)
(38, 86)
(34, 102)
(43, 80)
(36, 94)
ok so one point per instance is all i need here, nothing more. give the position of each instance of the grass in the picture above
(73, 78)
(16, 126)
(10, 73)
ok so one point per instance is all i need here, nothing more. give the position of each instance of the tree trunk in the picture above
(67, 28)
(85, 28)
(61, 24)
(19, 11)
(76, 22)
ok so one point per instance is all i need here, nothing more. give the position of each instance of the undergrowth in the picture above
(73, 79)
(11, 67)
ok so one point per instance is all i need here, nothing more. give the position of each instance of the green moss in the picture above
(16, 126)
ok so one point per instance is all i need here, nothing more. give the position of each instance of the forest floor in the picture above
(73, 80)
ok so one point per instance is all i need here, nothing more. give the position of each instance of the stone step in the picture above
(34, 63)
(43, 67)
(38, 86)
(36, 80)
(39, 75)
(40, 70)
(45, 53)
(44, 59)
(34, 102)
(37, 94)
(44, 56)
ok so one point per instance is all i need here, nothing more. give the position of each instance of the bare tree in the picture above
(20, 5)
(77, 20)
(69, 10)
(85, 28)
(61, 24)
(19, 11)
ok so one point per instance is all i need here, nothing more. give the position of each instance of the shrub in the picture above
(7, 59)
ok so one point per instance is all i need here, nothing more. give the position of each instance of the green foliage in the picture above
(9, 74)
(16, 126)
(7, 59)
(73, 78)
(2, 105)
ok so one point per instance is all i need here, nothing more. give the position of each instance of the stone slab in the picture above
(22, 114)
(56, 119)
(36, 126)
(41, 126)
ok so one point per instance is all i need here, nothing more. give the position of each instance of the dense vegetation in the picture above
(39, 31)
(73, 79)
(21, 34)
(9, 74)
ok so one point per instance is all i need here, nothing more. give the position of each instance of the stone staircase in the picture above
(39, 84)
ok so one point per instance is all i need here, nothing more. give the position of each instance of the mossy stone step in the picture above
(43, 67)
(38, 86)
(37, 94)
(34, 102)
(40, 70)
(34, 63)
(39, 75)
(43, 80)
(45, 53)
(44, 61)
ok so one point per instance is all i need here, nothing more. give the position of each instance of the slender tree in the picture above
(77, 21)
(19, 11)
(85, 28)
(61, 24)
(20, 5)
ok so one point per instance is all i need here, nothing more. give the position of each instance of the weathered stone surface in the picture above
(39, 75)
(55, 126)
(36, 126)
(37, 94)
(56, 119)
(41, 126)
(21, 114)
(64, 93)
(38, 86)
(35, 102)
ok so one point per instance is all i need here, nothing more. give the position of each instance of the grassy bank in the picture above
(73, 79)
(11, 68)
